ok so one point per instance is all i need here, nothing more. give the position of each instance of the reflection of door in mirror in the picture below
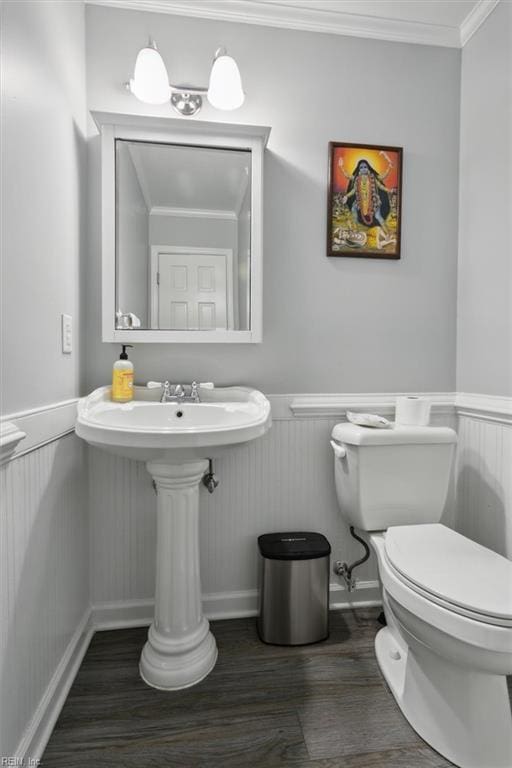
(191, 288)
(183, 244)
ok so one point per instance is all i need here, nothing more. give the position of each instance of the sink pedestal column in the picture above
(180, 650)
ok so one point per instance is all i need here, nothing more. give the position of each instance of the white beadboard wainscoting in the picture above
(77, 531)
(484, 478)
(283, 481)
(44, 586)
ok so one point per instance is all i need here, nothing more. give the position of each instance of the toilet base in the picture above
(463, 715)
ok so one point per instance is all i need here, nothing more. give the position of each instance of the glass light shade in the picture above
(225, 89)
(150, 82)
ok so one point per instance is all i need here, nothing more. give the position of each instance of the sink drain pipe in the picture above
(210, 481)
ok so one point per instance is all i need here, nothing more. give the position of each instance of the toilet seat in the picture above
(446, 568)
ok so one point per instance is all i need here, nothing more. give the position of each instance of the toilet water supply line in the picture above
(345, 570)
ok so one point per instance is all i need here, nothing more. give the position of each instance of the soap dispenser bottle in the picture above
(122, 378)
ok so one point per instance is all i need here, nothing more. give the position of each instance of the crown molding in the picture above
(475, 19)
(300, 18)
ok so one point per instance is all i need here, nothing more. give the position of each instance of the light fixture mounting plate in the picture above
(185, 103)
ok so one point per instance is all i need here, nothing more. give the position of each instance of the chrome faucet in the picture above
(179, 392)
(176, 393)
(194, 392)
(166, 392)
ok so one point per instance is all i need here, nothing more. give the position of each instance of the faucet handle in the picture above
(194, 391)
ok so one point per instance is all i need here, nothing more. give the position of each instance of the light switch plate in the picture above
(67, 334)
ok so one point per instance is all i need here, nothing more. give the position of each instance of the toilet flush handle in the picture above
(339, 450)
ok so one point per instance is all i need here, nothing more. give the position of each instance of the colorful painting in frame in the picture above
(364, 204)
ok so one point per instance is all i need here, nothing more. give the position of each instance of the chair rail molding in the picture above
(10, 436)
(334, 405)
(488, 407)
(36, 427)
(25, 431)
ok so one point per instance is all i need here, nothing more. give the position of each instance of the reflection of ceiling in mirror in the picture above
(196, 178)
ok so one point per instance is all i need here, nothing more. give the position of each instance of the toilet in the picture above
(447, 646)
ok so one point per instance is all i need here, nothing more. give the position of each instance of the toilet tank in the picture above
(397, 476)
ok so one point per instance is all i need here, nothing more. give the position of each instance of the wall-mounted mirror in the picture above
(183, 246)
(182, 230)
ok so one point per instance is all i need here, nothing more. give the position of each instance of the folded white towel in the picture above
(368, 420)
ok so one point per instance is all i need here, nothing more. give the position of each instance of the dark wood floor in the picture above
(318, 706)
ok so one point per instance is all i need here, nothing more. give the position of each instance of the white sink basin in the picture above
(148, 430)
(175, 439)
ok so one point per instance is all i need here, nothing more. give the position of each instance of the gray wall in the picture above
(484, 351)
(194, 232)
(133, 252)
(329, 324)
(44, 542)
(43, 198)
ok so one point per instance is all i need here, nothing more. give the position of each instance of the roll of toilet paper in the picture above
(412, 411)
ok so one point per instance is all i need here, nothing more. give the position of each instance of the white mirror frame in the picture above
(114, 126)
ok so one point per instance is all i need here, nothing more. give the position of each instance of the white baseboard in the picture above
(230, 605)
(224, 605)
(122, 614)
(38, 732)
(367, 594)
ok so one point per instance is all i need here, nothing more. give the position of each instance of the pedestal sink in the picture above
(175, 440)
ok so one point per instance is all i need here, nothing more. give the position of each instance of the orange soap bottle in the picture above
(122, 378)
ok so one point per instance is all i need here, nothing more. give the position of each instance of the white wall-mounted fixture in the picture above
(200, 135)
(180, 650)
(225, 88)
(150, 83)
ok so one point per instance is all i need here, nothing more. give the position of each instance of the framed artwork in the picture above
(364, 202)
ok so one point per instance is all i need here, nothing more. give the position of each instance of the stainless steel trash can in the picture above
(294, 588)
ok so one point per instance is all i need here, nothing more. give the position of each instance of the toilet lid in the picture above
(453, 569)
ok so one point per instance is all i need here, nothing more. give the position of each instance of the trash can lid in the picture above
(301, 545)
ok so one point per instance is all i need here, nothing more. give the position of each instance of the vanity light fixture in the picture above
(150, 83)
(225, 88)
